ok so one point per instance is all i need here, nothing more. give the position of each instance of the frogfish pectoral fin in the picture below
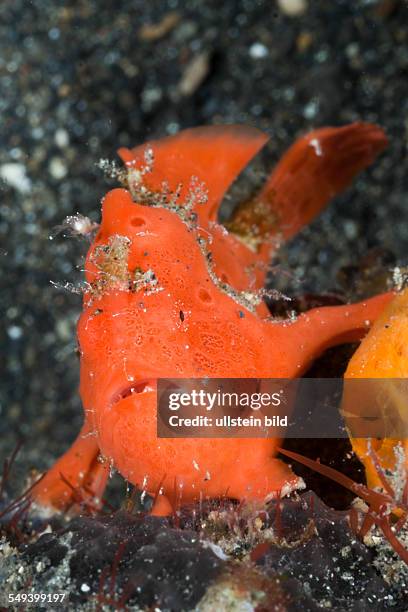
(77, 477)
(321, 328)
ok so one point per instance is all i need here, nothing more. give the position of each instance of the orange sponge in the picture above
(383, 357)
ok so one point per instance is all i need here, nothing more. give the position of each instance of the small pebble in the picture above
(150, 97)
(63, 329)
(350, 229)
(311, 109)
(293, 8)
(258, 51)
(61, 138)
(16, 176)
(303, 41)
(57, 168)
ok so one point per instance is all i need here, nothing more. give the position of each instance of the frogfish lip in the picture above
(135, 387)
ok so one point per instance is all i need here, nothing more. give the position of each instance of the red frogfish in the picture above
(173, 293)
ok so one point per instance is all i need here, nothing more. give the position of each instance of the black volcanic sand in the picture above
(80, 79)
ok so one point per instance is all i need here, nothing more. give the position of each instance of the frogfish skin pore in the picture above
(160, 252)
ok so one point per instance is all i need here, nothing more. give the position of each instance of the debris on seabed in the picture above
(151, 32)
(75, 225)
(194, 74)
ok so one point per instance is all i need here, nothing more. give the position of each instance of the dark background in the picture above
(78, 79)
